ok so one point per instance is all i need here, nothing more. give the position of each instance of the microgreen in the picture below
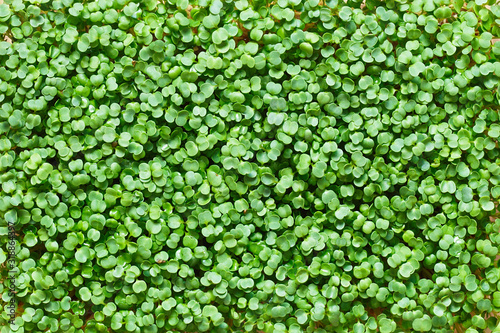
(250, 166)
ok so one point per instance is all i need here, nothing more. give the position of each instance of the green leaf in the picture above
(457, 5)
(139, 286)
(82, 255)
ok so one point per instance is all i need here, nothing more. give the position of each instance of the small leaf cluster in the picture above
(251, 165)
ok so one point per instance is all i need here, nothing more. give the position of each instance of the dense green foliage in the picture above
(242, 166)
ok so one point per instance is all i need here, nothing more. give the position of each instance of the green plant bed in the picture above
(249, 166)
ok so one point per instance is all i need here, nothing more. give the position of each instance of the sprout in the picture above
(284, 166)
